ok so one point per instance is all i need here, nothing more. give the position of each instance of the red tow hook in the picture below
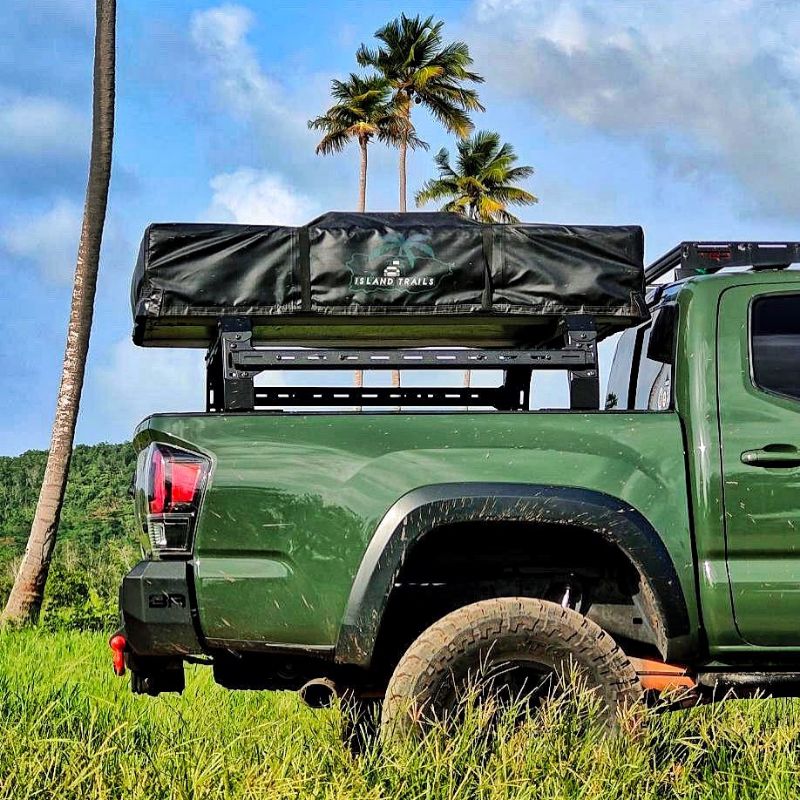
(118, 643)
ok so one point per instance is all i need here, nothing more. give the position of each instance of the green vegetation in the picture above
(481, 186)
(422, 70)
(69, 729)
(361, 112)
(96, 537)
(412, 66)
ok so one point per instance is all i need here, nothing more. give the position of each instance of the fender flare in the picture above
(422, 510)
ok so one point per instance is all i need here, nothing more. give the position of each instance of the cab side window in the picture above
(775, 344)
(654, 382)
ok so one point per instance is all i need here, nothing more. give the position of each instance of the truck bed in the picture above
(294, 499)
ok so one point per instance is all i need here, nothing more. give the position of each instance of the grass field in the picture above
(68, 728)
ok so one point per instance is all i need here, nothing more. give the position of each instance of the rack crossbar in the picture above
(261, 359)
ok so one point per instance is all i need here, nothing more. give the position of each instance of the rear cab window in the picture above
(775, 344)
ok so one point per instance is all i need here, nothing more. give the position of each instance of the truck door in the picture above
(759, 411)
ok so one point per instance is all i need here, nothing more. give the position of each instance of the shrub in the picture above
(83, 584)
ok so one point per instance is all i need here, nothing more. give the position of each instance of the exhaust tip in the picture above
(319, 693)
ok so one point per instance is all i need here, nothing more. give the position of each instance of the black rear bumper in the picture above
(155, 602)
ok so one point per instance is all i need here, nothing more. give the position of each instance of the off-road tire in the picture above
(499, 631)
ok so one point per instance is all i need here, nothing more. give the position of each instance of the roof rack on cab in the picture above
(705, 258)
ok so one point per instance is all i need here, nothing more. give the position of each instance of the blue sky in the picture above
(679, 116)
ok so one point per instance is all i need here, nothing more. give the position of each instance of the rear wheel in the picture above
(514, 645)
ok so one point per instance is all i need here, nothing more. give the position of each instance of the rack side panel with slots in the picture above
(232, 362)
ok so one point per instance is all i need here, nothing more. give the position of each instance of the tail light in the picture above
(169, 488)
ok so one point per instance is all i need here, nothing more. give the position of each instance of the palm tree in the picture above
(481, 186)
(25, 599)
(362, 111)
(420, 69)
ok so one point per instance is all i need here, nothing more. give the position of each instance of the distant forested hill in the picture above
(96, 536)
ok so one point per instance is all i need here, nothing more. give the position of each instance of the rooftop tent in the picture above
(385, 279)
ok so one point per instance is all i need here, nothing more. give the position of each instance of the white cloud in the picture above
(266, 105)
(220, 37)
(49, 240)
(41, 126)
(219, 34)
(709, 87)
(254, 197)
(138, 381)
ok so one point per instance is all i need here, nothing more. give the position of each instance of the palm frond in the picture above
(514, 195)
(447, 89)
(367, 57)
(475, 153)
(514, 174)
(434, 190)
(480, 185)
(414, 142)
(471, 186)
(412, 57)
(506, 217)
(459, 205)
(394, 128)
(456, 58)
(453, 119)
(333, 142)
(362, 109)
(423, 76)
(442, 161)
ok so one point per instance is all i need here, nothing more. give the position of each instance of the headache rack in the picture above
(689, 259)
(232, 362)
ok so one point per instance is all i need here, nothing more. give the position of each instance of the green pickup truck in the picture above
(389, 554)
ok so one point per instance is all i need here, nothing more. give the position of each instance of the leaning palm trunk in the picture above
(25, 599)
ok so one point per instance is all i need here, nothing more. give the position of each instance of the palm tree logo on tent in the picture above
(401, 263)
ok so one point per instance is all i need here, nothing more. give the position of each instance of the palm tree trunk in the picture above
(25, 599)
(405, 111)
(362, 177)
(358, 383)
(403, 154)
(362, 205)
(396, 384)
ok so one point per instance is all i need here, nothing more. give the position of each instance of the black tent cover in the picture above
(394, 278)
